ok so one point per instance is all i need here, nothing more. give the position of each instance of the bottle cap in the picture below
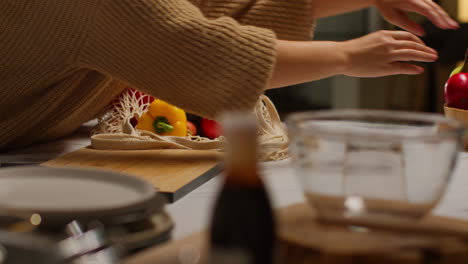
(235, 122)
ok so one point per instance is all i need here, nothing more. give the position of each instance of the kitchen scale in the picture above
(71, 207)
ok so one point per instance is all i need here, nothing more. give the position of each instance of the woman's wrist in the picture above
(305, 61)
(325, 8)
(344, 56)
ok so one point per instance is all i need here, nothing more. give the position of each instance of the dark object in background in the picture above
(242, 228)
(451, 46)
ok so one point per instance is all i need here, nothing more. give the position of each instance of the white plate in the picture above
(71, 192)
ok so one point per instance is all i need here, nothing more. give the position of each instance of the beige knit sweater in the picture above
(63, 61)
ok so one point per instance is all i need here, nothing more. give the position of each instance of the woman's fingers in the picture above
(399, 18)
(424, 8)
(434, 13)
(406, 44)
(442, 15)
(403, 35)
(412, 55)
(386, 53)
(404, 68)
(408, 47)
(394, 12)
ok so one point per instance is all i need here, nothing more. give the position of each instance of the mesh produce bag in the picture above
(115, 130)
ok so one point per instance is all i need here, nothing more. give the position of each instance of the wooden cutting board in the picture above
(173, 172)
(435, 239)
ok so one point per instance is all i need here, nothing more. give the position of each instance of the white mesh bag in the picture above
(115, 131)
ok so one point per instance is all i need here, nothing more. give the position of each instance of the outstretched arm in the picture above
(289, 19)
(377, 54)
(394, 11)
(325, 8)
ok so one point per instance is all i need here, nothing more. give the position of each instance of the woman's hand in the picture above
(377, 54)
(394, 12)
(385, 53)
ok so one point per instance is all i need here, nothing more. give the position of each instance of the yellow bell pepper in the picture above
(164, 119)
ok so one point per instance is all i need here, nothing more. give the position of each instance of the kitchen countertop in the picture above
(284, 190)
(192, 213)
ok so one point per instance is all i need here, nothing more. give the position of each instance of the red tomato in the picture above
(456, 91)
(210, 128)
(193, 129)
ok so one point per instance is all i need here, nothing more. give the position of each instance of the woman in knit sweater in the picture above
(62, 62)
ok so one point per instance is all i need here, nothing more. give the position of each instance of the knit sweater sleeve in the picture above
(169, 49)
(290, 19)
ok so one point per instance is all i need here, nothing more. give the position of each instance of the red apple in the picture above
(456, 91)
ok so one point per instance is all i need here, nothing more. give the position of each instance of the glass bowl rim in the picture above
(456, 128)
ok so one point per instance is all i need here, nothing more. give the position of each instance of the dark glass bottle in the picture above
(242, 228)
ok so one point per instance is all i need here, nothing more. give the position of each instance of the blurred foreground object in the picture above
(373, 165)
(242, 227)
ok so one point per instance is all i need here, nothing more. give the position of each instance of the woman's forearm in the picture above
(377, 54)
(324, 8)
(394, 11)
(304, 61)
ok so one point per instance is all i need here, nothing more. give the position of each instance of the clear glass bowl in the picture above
(375, 164)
